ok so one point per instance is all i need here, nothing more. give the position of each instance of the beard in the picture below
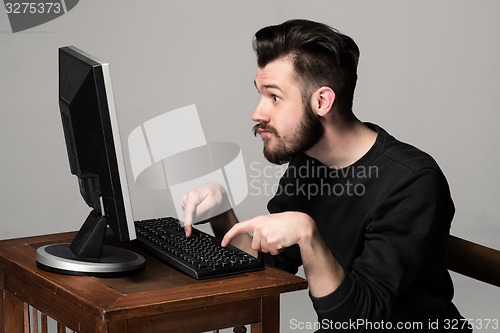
(305, 136)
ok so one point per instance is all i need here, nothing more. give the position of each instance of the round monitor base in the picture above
(114, 261)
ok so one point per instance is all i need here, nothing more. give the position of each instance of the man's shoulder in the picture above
(409, 156)
(388, 155)
(405, 155)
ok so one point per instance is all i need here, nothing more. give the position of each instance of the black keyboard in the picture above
(199, 256)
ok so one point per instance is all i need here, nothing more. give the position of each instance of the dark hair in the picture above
(321, 56)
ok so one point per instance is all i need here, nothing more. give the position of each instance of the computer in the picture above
(95, 155)
(93, 143)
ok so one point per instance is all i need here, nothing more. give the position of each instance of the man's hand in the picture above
(272, 233)
(203, 203)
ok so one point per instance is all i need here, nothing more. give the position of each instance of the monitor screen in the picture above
(92, 136)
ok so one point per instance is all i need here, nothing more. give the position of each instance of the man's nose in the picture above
(260, 114)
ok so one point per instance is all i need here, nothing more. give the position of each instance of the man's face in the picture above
(286, 125)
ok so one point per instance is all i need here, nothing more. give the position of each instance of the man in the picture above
(366, 215)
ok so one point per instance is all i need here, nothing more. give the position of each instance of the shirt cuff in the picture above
(329, 302)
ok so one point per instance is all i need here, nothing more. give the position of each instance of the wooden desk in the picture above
(158, 299)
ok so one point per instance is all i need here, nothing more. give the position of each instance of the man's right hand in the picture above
(203, 203)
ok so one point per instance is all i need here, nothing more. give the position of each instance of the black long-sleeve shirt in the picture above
(386, 219)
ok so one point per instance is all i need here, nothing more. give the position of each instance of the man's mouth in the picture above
(264, 130)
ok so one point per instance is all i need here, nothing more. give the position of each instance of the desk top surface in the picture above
(152, 289)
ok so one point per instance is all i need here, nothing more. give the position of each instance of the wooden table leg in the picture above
(118, 326)
(11, 313)
(270, 315)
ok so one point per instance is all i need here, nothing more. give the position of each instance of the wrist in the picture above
(223, 222)
(324, 273)
(308, 231)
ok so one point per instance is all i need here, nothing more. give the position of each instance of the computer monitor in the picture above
(95, 155)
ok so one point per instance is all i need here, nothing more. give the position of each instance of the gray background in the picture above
(429, 74)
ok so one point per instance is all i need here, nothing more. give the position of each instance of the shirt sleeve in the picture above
(288, 260)
(406, 228)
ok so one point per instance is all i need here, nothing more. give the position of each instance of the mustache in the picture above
(264, 127)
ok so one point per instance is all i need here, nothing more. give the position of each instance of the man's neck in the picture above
(343, 143)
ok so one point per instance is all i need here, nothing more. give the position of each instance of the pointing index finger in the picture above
(238, 228)
(190, 203)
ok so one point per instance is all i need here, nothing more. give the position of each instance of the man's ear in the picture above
(322, 100)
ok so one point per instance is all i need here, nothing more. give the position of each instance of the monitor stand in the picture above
(87, 254)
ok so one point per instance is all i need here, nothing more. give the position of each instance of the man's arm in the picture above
(222, 223)
(272, 233)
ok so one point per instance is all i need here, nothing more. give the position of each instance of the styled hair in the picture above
(321, 56)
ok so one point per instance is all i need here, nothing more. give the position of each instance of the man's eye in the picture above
(276, 98)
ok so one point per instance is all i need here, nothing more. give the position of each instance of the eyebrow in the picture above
(268, 86)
